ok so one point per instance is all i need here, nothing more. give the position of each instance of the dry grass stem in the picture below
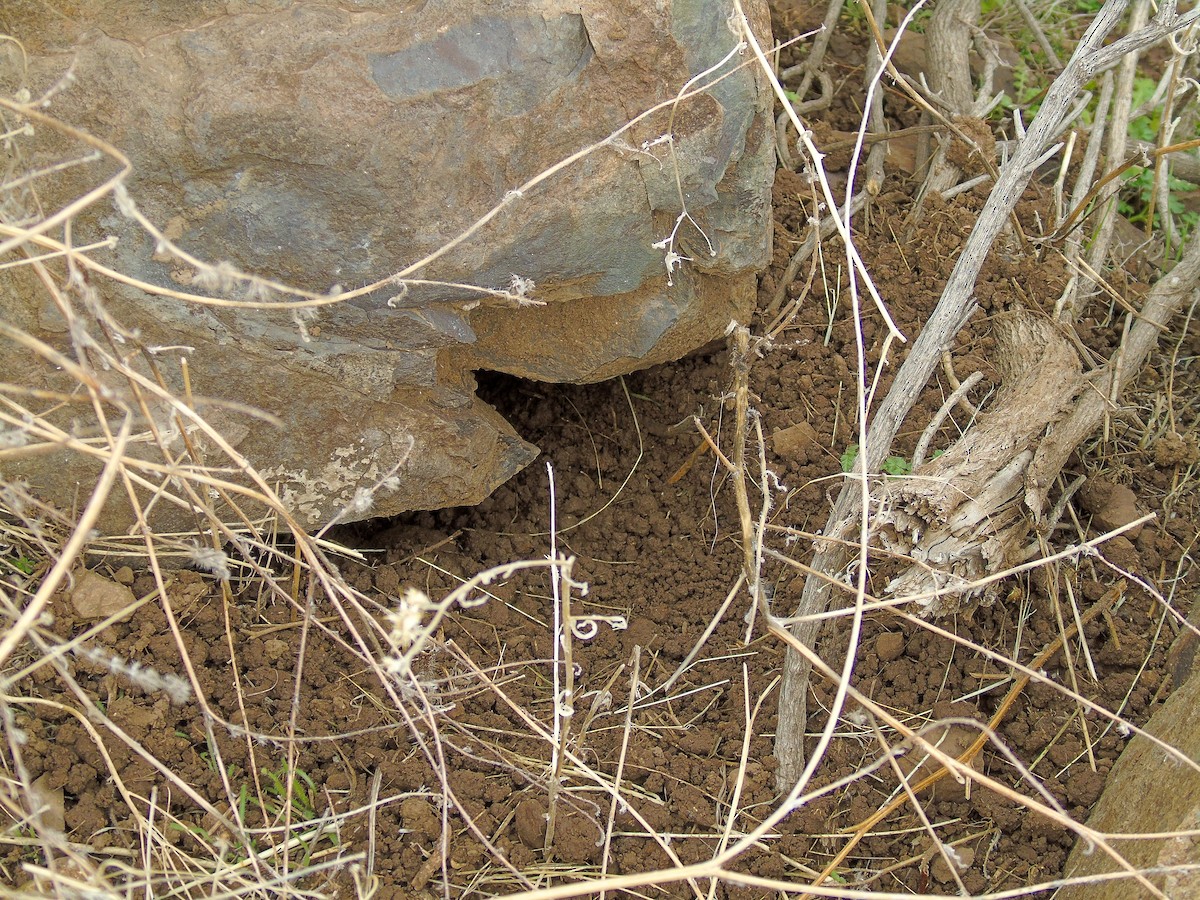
(988, 518)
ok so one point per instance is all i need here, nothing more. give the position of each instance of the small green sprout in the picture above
(849, 457)
(304, 791)
(895, 466)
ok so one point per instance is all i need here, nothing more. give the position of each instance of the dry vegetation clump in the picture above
(82, 660)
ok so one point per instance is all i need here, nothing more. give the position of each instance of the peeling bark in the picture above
(960, 516)
(967, 514)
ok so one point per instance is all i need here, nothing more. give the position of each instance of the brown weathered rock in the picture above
(94, 597)
(326, 145)
(1148, 792)
(1179, 857)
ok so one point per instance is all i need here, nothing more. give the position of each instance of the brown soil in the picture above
(662, 550)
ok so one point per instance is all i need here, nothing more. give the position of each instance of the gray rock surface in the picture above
(327, 147)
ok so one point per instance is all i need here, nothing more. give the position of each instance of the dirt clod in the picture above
(530, 820)
(419, 818)
(798, 443)
(1174, 449)
(963, 860)
(1110, 505)
(889, 646)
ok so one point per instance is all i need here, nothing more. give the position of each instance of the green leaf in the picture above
(848, 458)
(893, 465)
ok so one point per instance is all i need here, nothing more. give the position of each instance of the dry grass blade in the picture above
(292, 718)
(1092, 56)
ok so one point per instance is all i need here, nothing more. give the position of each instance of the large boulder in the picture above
(329, 146)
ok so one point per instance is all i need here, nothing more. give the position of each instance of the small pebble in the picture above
(95, 597)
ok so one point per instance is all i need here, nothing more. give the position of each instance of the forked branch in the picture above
(1091, 57)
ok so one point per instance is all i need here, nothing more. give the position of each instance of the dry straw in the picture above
(112, 400)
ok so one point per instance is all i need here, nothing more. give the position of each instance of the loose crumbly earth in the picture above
(662, 550)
